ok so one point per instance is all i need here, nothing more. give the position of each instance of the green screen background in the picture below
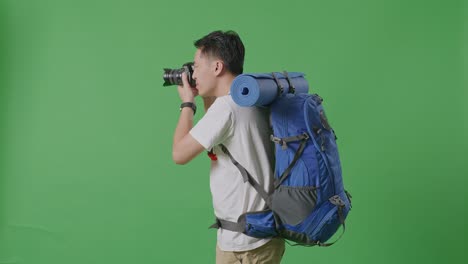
(86, 127)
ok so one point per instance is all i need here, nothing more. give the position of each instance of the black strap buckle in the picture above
(292, 89)
(278, 83)
(216, 225)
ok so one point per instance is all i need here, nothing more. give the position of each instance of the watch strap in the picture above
(189, 104)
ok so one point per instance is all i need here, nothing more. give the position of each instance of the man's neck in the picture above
(224, 86)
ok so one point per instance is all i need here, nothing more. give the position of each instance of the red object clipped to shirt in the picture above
(212, 155)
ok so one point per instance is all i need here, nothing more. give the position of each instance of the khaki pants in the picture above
(270, 253)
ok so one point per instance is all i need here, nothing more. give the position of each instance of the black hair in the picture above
(226, 46)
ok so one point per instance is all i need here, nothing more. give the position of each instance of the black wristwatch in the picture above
(189, 104)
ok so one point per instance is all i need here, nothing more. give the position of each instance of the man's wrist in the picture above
(190, 105)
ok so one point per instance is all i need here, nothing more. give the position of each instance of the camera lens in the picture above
(174, 76)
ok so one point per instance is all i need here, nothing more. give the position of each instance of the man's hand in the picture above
(187, 93)
(185, 147)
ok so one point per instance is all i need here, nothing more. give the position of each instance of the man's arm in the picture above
(185, 147)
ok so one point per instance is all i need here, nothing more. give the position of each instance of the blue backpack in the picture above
(309, 202)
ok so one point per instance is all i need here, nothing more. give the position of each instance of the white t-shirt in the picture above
(245, 131)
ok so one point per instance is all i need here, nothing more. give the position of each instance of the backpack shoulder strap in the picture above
(240, 226)
(248, 178)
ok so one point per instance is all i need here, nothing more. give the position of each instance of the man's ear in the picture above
(218, 67)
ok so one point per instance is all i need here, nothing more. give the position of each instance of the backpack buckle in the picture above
(336, 200)
(280, 87)
(292, 89)
(279, 141)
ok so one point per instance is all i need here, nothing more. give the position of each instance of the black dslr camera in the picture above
(174, 76)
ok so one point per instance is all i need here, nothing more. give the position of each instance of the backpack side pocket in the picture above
(260, 224)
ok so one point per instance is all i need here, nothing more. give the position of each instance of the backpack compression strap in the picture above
(240, 226)
(292, 89)
(336, 200)
(283, 142)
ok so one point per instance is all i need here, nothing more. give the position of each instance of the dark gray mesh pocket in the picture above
(293, 204)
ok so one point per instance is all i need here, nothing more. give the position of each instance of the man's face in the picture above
(204, 74)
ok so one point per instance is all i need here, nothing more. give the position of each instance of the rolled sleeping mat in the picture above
(261, 89)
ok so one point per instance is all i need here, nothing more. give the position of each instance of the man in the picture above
(244, 131)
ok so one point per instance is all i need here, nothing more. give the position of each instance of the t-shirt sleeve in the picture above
(215, 126)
